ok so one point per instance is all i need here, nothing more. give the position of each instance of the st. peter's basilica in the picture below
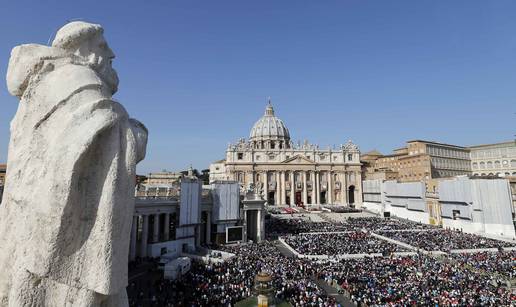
(288, 173)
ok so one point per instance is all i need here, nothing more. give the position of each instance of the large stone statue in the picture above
(67, 209)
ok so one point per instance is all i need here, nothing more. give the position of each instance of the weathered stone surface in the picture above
(66, 214)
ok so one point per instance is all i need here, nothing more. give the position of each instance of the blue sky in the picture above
(197, 73)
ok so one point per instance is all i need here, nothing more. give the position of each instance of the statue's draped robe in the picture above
(68, 202)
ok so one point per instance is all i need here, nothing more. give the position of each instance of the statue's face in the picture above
(100, 56)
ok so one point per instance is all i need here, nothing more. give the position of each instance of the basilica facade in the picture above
(288, 173)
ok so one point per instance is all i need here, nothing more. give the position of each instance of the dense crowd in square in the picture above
(302, 224)
(502, 263)
(476, 279)
(224, 284)
(379, 224)
(276, 227)
(331, 244)
(416, 281)
(444, 240)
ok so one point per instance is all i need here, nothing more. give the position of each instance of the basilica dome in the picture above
(270, 128)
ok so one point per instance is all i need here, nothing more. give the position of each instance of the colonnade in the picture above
(307, 187)
(142, 235)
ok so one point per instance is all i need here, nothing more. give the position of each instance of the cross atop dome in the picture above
(269, 110)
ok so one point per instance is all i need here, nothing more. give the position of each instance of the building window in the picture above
(216, 168)
(240, 156)
(350, 157)
(272, 145)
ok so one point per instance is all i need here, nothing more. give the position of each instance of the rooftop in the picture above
(501, 144)
(437, 143)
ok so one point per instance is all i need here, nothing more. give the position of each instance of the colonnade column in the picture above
(155, 235)
(132, 248)
(208, 227)
(167, 227)
(245, 225)
(292, 190)
(317, 188)
(305, 192)
(258, 225)
(145, 236)
(330, 189)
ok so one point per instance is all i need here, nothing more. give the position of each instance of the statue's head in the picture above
(86, 40)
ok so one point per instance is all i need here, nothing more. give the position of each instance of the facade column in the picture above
(317, 188)
(342, 188)
(167, 227)
(346, 180)
(330, 188)
(358, 192)
(277, 195)
(155, 235)
(266, 187)
(305, 192)
(312, 178)
(145, 236)
(283, 189)
(292, 189)
(132, 248)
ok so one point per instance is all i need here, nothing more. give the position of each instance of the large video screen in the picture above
(234, 234)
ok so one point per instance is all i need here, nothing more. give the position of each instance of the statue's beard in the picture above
(105, 71)
(108, 74)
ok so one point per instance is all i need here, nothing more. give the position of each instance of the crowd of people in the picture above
(276, 227)
(444, 240)
(224, 284)
(342, 209)
(416, 281)
(502, 263)
(284, 226)
(477, 279)
(381, 224)
(356, 242)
